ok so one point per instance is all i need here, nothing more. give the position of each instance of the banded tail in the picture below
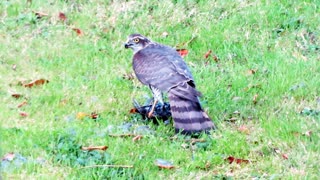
(187, 113)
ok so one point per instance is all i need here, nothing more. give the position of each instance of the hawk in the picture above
(163, 70)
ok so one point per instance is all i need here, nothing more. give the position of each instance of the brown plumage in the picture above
(163, 70)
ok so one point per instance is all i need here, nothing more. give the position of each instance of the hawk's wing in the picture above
(160, 66)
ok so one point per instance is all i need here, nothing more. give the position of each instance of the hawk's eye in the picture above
(136, 40)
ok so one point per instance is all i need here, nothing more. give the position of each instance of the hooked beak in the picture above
(127, 45)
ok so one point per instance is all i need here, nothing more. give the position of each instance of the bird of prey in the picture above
(163, 70)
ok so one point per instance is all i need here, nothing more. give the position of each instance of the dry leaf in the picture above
(94, 115)
(9, 157)
(138, 137)
(78, 31)
(284, 156)
(232, 159)
(251, 71)
(14, 67)
(91, 148)
(62, 16)
(36, 83)
(23, 114)
(207, 54)
(215, 58)
(17, 96)
(22, 104)
(40, 15)
(255, 99)
(182, 52)
(81, 115)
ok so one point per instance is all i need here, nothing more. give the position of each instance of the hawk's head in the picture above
(136, 42)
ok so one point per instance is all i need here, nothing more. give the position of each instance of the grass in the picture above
(265, 49)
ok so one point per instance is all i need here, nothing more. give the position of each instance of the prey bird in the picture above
(162, 69)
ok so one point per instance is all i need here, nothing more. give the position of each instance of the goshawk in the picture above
(163, 70)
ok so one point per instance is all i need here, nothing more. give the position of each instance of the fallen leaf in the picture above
(215, 58)
(40, 15)
(133, 111)
(284, 156)
(207, 54)
(9, 157)
(182, 52)
(36, 83)
(232, 159)
(244, 129)
(81, 115)
(91, 148)
(23, 114)
(22, 104)
(251, 71)
(17, 96)
(62, 16)
(164, 164)
(94, 115)
(136, 138)
(78, 31)
(255, 99)
(14, 67)
(308, 133)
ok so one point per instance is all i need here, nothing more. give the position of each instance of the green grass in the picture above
(280, 40)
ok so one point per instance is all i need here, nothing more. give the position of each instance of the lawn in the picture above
(67, 83)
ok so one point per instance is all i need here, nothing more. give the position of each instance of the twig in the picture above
(108, 166)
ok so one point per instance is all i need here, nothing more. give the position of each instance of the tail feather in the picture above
(187, 112)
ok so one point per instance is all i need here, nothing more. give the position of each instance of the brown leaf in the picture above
(232, 159)
(62, 17)
(251, 71)
(36, 83)
(78, 31)
(133, 111)
(16, 95)
(136, 138)
(91, 148)
(81, 115)
(22, 104)
(284, 156)
(255, 99)
(94, 115)
(207, 54)
(215, 58)
(182, 52)
(40, 15)
(9, 157)
(244, 129)
(23, 114)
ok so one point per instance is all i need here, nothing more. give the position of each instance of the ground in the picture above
(260, 85)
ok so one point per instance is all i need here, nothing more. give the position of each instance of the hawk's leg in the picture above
(157, 97)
